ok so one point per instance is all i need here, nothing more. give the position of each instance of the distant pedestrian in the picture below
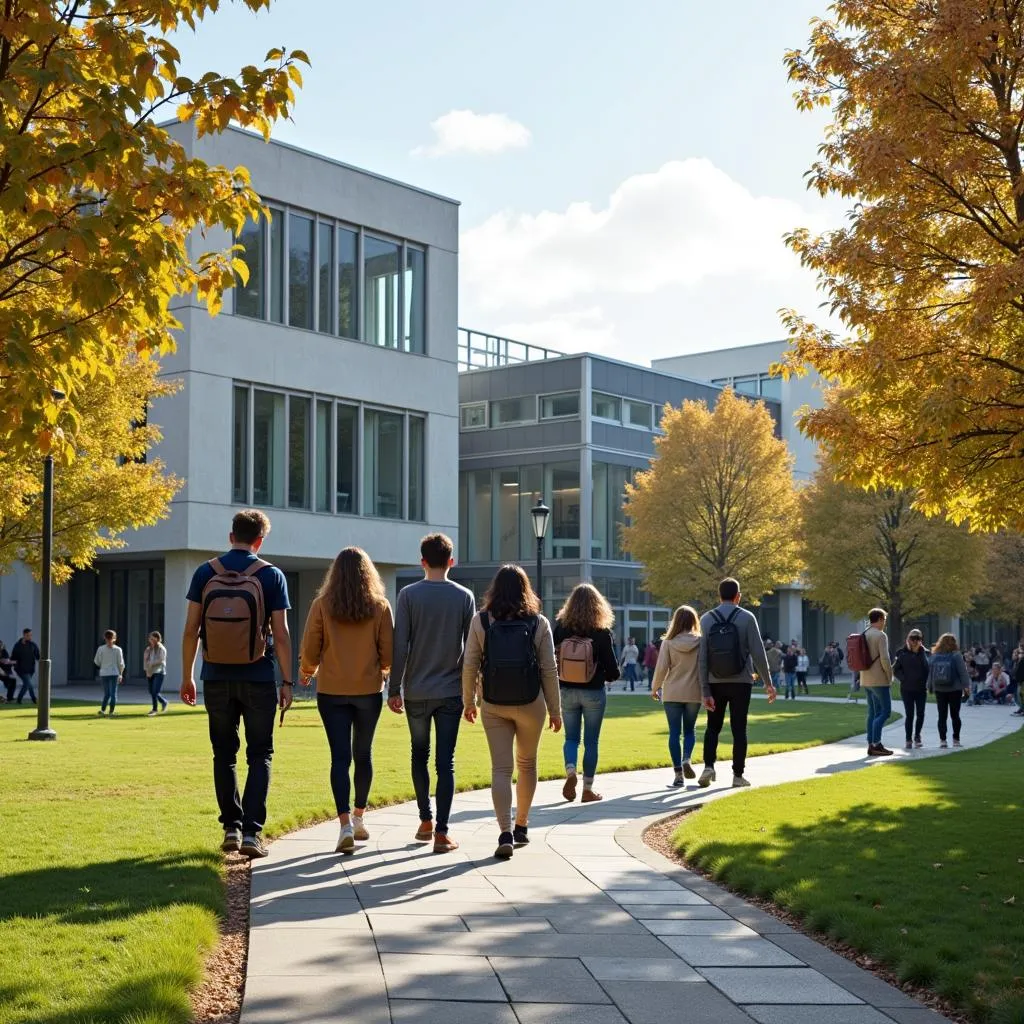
(803, 663)
(876, 678)
(773, 651)
(154, 664)
(650, 662)
(25, 655)
(827, 666)
(629, 662)
(789, 663)
(8, 679)
(949, 681)
(677, 685)
(911, 669)
(109, 660)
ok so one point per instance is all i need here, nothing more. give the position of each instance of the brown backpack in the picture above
(576, 662)
(234, 625)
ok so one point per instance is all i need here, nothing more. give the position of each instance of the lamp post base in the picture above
(42, 734)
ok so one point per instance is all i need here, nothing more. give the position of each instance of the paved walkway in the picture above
(585, 925)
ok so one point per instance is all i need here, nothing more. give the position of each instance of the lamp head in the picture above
(540, 513)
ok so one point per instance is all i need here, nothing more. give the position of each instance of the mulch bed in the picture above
(659, 838)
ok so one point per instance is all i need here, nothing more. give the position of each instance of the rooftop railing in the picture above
(479, 351)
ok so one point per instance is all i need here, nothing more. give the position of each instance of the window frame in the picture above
(494, 403)
(645, 427)
(558, 394)
(594, 395)
(463, 429)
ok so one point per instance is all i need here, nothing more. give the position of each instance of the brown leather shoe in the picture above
(425, 832)
(569, 789)
(443, 843)
(590, 797)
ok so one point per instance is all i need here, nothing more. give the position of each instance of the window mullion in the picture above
(400, 341)
(286, 313)
(250, 448)
(405, 466)
(361, 290)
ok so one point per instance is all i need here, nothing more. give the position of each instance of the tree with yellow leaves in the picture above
(111, 485)
(927, 277)
(718, 501)
(1000, 595)
(864, 548)
(97, 201)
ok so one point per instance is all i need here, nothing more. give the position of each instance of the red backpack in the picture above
(858, 654)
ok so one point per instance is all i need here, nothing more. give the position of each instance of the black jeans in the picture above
(914, 702)
(350, 723)
(827, 674)
(446, 714)
(949, 704)
(255, 704)
(737, 697)
(10, 684)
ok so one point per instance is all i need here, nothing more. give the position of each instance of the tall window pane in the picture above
(383, 469)
(324, 456)
(269, 448)
(531, 487)
(298, 452)
(249, 296)
(417, 468)
(605, 407)
(240, 447)
(348, 440)
(415, 306)
(599, 547)
(479, 523)
(277, 266)
(300, 270)
(506, 515)
(324, 262)
(463, 520)
(563, 485)
(381, 269)
(618, 477)
(348, 283)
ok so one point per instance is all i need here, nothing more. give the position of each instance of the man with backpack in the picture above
(730, 651)
(233, 604)
(868, 654)
(432, 621)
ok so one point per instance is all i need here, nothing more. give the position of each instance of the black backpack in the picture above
(943, 673)
(725, 653)
(510, 669)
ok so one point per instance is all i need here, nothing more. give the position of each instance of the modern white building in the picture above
(326, 393)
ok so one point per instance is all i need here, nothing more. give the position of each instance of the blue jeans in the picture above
(109, 692)
(879, 708)
(682, 719)
(582, 714)
(350, 723)
(630, 674)
(446, 714)
(156, 682)
(26, 686)
(790, 685)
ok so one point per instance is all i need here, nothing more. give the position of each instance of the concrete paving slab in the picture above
(560, 1013)
(277, 999)
(656, 897)
(777, 985)
(298, 951)
(543, 980)
(432, 1011)
(726, 928)
(617, 968)
(729, 951)
(440, 976)
(815, 1015)
(658, 1002)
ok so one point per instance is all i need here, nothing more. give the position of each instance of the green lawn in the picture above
(111, 883)
(918, 864)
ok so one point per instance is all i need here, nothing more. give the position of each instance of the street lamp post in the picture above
(42, 731)
(540, 513)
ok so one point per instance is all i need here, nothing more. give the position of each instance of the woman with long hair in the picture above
(347, 645)
(677, 685)
(510, 659)
(586, 659)
(949, 681)
(154, 664)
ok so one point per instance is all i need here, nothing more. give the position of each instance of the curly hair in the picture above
(352, 590)
(510, 595)
(946, 644)
(585, 610)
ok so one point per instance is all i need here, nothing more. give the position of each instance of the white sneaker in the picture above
(738, 782)
(346, 840)
(359, 829)
(706, 778)
(152, 714)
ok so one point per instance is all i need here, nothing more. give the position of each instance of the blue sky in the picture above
(625, 177)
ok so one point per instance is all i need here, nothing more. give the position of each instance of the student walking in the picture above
(949, 681)
(109, 660)
(876, 679)
(803, 664)
(585, 654)
(789, 662)
(629, 662)
(233, 606)
(677, 685)
(773, 651)
(510, 658)
(25, 656)
(432, 623)
(730, 652)
(8, 679)
(154, 664)
(911, 669)
(650, 662)
(348, 645)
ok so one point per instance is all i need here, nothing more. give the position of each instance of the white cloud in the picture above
(678, 259)
(463, 131)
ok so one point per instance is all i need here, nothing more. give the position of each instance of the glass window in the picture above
(463, 517)
(268, 449)
(599, 511)
(417, 465)
(554, 406)
(383, 443)
(348, 283)
(249, 296)
(531, 486)
(348, 440)
(473, 417)
(607, 513)
(300, 270)
(746, 385)
(324, 262)
(381, 267)
(514, 410)
(298, 452)
(506, 515)
(240, 447)
(563, 485)
(771, 387)
(277, 266)
(638, 414)
(415, 304)
(606, 407)
(324, 456)
(478, 508)
(721, 381)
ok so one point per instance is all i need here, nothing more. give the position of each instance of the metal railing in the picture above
(479, 351)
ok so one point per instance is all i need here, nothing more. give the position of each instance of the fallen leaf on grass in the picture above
(1009, 902)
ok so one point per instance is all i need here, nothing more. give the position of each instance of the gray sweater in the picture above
(432, 621)
(751, 646)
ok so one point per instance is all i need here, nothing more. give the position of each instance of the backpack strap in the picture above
(716, 616)
(255, 567)
(733, 614)
(217, 566)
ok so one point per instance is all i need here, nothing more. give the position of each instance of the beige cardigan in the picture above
(880, 672)
(545, 656)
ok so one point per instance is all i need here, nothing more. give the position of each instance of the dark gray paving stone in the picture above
(430, 1011)
(609, 921)
(813, 953)
(543, 980)
(917, 1015)
(293, 1000)
(656, 897)
(815, 1015)
(777, 985)
(440, 976)
(560, 1013)
(660, 1002)
(725, 928)
(727, 951)
(617, 968)
(702, 913)
(556, 946)
(296, 951)
(510, 924)
(866, 986)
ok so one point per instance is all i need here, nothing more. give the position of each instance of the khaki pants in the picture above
(523, 725)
